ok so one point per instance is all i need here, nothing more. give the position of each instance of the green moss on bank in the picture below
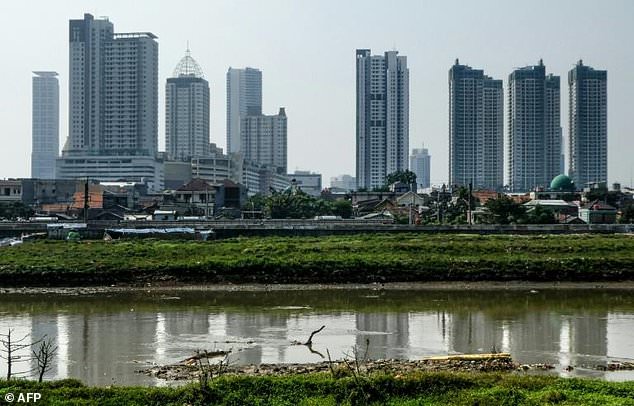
(332, 259)
(322, 389)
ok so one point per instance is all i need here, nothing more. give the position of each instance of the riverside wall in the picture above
(235, 228)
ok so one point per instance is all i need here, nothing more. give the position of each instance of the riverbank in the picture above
(370, 258)
(190, 369)
(172, 288)
(432, 388)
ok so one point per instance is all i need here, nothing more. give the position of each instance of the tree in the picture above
(297, 205)
(342, 208)
(255, 202)
(505, 210)
(14, 210)
(44, 357)
(540, 215)
(406, 176)
(10, 347)
(627, 215)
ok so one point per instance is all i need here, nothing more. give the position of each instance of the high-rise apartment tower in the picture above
(264, 139)
(534, 130)
(476, 129)
(382, 116)
(113, 105)
(588, 124)
(45, 125)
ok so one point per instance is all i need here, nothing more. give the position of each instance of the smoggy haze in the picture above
(306, 51)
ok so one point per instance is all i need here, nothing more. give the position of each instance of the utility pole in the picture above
(411, 219)
(206, 201)
(469, 213)
(86, 201)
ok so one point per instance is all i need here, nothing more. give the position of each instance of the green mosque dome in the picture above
(562, 183)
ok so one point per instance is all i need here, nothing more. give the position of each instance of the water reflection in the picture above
(104, 338)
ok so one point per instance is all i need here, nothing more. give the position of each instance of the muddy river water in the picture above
(104, 337)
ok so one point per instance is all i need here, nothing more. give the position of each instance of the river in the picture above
(103, 338)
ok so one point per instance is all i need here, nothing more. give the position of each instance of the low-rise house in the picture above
(202, 198)
(164, 215)
(597, 212)
(560, 208)
(10, 190)
(412, 199)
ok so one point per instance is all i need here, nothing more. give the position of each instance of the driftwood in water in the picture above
(471, 357)
(310, 339)
(203, 354)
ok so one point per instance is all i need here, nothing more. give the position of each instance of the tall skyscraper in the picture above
(534, 130)
(382, 116)
(244, 98)
(45, 125)
(113, 106)
(476, 129)
(264, 139)
(420, 164)
(588, 124)
(553, 132)
(187, 112)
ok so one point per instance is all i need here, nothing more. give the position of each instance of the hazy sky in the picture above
(306, 51)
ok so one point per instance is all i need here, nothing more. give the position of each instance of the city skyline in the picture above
(310, 140)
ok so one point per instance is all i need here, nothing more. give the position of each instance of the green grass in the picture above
(336, 259)
(322, 389)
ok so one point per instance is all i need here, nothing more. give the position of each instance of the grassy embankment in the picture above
(333, 259)
(322, 389)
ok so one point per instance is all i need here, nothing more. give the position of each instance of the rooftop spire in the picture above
(187, 66)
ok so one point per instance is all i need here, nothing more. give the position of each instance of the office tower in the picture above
(263, 139)
(45, 125)
(588, 124)
(113, 106)
(476, 130)
(344, 182)
(534, 144)
(382, 116)
(420, 164)
(244, 98)
(309, 182)
(187, 112)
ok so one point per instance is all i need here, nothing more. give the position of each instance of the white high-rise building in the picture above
(187, 112)
(45, 130)
(420, 164)
(476, 130)
(534, 130)
(382, 116)
(244, 98)
(588, 124)
(264, 139)
(113, 106)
